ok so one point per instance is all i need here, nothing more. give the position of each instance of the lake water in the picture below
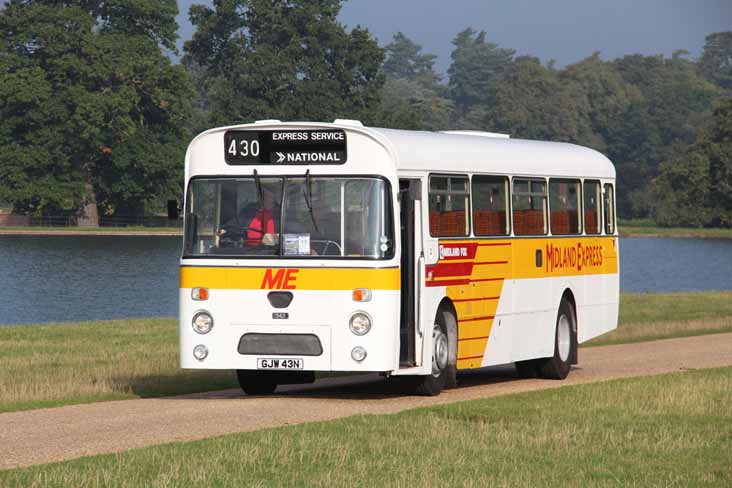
(74, 278)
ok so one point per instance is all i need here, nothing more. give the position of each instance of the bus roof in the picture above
(462, 151)
(451, 152)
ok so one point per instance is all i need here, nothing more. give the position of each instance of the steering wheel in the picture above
(233, 234)
(326, 245)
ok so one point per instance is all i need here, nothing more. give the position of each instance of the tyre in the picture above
(443, 373)
(565, 345)
(528, 369)
(255, 382)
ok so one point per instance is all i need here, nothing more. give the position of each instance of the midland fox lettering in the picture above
(283, 279)
(576, 257)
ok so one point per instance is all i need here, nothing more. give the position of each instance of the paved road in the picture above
(55, 434)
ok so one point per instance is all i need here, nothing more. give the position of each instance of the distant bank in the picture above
(92, 231)
(676, 232)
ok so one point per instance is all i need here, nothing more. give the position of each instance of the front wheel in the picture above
(255, 383)
(443, 373)
(565, 345)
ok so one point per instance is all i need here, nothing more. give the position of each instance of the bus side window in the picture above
(449, 201)
(529, 207)
(592, 206)
(609, 199)
(490, 205)
(564, 201)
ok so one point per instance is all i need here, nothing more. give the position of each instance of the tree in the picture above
(674, 103)
(408, 104)
(92, 113)
(716, 61)
(477, 66)
(719, 151)
(284, 59)
(412, 97)
(609, 97)
(695, 188)
(405, 60)
(532, 102)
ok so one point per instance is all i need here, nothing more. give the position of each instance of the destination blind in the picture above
(285, 147)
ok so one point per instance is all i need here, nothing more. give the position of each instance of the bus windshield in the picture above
(303, 216)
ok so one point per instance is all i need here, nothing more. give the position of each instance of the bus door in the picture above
(412, 270)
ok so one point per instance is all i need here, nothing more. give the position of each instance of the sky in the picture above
(564, 30)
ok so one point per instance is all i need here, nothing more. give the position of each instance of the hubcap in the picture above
(439, 351)
(563, 337)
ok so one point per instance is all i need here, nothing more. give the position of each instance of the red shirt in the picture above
(262, 223)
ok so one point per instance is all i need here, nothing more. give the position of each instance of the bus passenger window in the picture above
(592, 207)
(529, 207)
(609, 209)
(490, 205)
(449, 204)
(564, 201)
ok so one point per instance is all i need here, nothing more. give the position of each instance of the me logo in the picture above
(282, 279)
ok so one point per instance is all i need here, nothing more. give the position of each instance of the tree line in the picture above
(95, 118)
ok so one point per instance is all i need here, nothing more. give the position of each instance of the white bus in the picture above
(336, 247)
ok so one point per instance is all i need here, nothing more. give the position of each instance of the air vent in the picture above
(478, 133)
(351, 122)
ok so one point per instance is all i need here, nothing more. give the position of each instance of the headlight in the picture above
(360, 323)
(202, 322)
(200, 352)
(358, 354)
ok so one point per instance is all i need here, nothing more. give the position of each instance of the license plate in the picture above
(279, 363)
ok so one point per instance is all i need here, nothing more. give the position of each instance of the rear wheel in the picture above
(565, 345)
(255, 382)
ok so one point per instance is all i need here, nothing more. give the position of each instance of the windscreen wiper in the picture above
(260, 195)
(309, 199)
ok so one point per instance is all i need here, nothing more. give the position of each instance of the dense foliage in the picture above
(651, 115)
(94, 116)
(283, 59)
(92, 113)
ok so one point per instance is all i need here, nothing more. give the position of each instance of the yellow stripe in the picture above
(231, 278)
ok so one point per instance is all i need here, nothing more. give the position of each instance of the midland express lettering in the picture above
(576, 257)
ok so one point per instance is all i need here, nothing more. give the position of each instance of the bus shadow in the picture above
(363, 387)
(382, 388)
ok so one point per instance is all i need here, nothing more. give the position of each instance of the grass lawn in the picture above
(670, 430)
(51, 365)
(651, 316)
(647, 228)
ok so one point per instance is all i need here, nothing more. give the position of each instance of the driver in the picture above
(259, 229)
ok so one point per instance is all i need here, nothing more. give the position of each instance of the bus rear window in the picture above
(609, 199)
